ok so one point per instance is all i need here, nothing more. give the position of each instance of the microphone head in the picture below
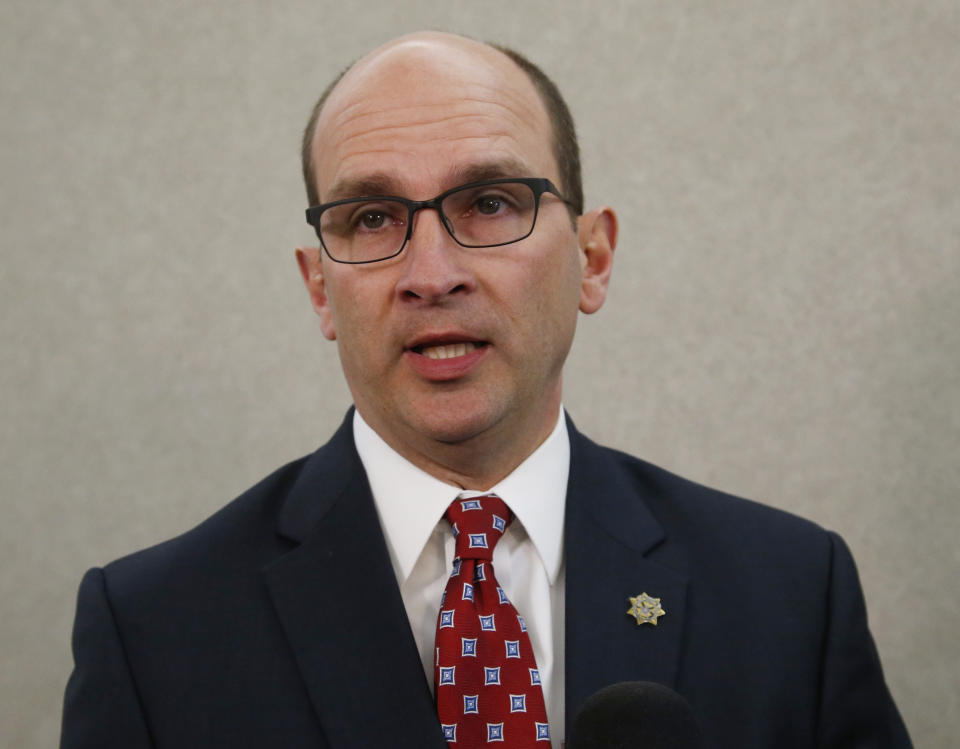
(635, 714)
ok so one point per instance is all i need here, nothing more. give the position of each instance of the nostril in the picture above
(411, 294)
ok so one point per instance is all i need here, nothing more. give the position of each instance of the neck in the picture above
(478, 462)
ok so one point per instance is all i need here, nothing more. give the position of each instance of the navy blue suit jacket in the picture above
(278, 622)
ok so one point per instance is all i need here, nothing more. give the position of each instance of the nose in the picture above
(433, 264)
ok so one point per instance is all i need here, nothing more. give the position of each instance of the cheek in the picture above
(350, 319)
(550, 297)
(355, 303)
(558, 276)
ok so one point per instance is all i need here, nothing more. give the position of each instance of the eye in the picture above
(489, 205)
(372, 219)
(376, 217)
(492, 203)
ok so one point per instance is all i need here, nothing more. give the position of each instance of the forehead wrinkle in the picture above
(422, 115)
(520, 107)
(387, 129)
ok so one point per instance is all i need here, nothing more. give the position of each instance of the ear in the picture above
(597, 235)
(310, 260)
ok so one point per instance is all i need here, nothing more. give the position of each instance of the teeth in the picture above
(448, 351)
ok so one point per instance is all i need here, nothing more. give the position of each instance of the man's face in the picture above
(446, 344)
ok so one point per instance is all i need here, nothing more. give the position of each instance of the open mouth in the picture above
(448, 350)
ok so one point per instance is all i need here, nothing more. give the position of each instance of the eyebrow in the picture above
(381, 183)
(378, 183)
(501, 169)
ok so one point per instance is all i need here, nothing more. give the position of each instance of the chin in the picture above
(455, 420)
(453, 428)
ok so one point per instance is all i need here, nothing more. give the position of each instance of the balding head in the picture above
(461, 53)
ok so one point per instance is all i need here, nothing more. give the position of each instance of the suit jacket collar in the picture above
(325, 477)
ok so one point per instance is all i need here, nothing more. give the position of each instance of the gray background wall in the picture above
(783, 322)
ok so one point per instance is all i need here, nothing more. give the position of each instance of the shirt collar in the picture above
(410, 501)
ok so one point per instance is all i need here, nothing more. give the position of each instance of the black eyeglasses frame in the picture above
(538, 185)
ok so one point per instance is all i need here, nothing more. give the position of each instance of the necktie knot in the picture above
(478, 523)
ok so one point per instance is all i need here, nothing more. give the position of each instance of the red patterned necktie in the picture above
(487, 683)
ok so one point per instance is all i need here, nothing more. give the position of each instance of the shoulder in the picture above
(239, 537)
(675, 498)
(705, 523)
(254, 528)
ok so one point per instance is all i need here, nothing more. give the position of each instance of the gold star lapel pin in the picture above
(645, 609)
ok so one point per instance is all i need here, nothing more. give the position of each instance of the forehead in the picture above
(419, 114)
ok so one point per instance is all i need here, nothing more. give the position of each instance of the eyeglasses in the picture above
(491, 213)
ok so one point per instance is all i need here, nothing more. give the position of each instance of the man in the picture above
(454, 257)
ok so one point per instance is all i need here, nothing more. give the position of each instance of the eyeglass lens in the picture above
(479, 216)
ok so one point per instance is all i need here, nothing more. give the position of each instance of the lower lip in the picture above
(442, 370)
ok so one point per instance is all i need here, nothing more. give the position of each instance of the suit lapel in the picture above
(611, 540)
(341, 610)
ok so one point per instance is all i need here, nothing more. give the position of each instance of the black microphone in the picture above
(634, 714)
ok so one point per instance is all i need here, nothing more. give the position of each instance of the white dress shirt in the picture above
(528, 560)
